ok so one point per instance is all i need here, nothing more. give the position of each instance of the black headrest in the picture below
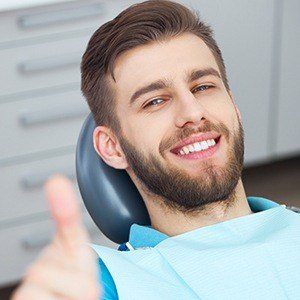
(109, 194)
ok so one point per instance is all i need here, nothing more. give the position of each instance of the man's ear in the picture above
(235, 107)
(107, 147)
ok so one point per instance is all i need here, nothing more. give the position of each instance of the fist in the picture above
(66, 268)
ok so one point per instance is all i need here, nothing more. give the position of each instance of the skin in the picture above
(67, 267)
(212, 187)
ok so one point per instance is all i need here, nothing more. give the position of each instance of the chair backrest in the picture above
(109, 194)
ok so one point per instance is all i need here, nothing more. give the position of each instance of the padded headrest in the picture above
(109, 194)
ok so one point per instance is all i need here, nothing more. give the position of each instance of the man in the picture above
(156, 83)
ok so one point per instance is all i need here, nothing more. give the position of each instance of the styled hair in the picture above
(139, 24)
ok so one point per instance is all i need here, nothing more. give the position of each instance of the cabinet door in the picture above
(23, 243)
(288, 115)
(244, 32)
(37, 124)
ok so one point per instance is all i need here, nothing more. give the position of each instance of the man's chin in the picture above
(203, 173)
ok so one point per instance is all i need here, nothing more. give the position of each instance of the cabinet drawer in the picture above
(43, 65)
(53, 19)
(21, 245)
(41, 123)
(21, 185)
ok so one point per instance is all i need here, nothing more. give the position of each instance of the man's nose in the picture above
(189, 110)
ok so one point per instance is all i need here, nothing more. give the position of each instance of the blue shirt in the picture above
(146, 236)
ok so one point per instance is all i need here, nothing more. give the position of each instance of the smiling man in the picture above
(181, 138)
(156, 84)
(178, 133)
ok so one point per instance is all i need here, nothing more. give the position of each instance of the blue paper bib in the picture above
(251, 257)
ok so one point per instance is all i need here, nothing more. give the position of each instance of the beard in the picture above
(179, 191)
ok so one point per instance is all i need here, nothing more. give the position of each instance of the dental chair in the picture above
(109, 194)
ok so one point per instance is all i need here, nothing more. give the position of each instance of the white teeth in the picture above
(204, 145)
(191, 148)
(197, 146)
(186, 150)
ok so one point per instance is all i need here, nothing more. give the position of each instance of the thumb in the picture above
(65, 211)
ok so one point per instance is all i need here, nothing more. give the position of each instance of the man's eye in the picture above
(198, 88)
(152, 101)
(202, 88)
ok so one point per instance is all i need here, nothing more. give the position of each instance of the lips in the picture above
(194, 139)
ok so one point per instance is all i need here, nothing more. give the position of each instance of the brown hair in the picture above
(140, 24)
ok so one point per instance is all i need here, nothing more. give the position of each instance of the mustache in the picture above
(188, 131)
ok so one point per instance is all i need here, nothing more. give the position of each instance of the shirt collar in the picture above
(146, 236)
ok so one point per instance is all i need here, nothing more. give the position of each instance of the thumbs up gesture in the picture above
(66, 268)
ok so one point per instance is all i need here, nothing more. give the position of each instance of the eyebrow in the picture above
(201, 73)
(161, 84)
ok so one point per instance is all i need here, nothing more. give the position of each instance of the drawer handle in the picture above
(37, 179)
(63, 15)
(39, 239)
(49, 63)
(34, 241)
(61, 114)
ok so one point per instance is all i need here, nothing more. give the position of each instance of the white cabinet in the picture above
(22, 244)
(41, 114)
(40, 120)
(52, 21)
(22, 185)
(287, 118)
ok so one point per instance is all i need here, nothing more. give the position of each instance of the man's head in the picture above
(153, 77)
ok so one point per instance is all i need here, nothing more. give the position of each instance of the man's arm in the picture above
(67, 268)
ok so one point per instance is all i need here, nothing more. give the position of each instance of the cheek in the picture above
(146, 135)
(145, 131)
(221, 111)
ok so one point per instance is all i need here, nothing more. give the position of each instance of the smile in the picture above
(194, 151)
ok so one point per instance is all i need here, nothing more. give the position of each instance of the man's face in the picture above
(184, 104)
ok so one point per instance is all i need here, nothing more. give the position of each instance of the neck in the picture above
(174, 223)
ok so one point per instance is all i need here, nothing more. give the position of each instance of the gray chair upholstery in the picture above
(109, 194)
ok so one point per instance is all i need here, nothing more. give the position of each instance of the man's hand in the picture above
(67, 268)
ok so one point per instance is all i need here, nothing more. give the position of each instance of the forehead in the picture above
(170, 59)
